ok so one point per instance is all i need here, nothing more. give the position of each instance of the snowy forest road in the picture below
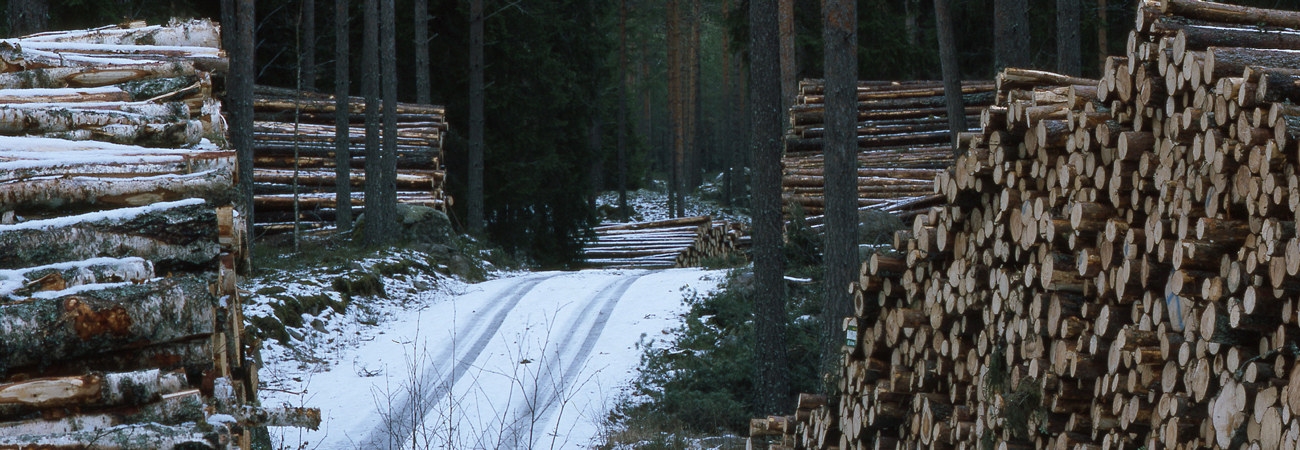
(533, 361)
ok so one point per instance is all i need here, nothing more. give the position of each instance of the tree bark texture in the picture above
(342, 153)
(622, 111)
(1010, 33)
(1068, 53)
(178, 234)
(676, 107)
(789, 63)
(383, 209)
(370, 89)
(28, 16)
(49, 330)
(475, 202)
(308, 44)
(951, 71)
(771, 382)
(240, 91)
(423, 87)
(841, 251)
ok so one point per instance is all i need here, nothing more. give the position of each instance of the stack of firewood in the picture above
(683, 242)
(1116, 266)
(120, 321)
(293, 123)
(903, 141)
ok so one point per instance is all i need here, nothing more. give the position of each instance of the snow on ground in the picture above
(529, 360)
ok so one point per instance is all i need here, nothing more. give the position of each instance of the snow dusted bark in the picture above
(169, 234)
(18, 284)
(193, 33)
(85, 323)
(49, 193)
(62, 77)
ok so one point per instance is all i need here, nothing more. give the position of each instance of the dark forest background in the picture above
(553, 72)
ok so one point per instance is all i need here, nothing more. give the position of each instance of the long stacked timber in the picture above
(1112, 269)
(302, 151)
(120, 321)
(902, 143)
(682, 242)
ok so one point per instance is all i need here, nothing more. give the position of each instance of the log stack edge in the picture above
(1115, 264)
(120, 320)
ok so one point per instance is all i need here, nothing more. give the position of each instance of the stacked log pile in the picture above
(120, 321)
(311, 137)
(903, 141)
(682, 242)
(1115, 267)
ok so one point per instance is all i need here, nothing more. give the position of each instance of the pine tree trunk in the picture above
(1010, 34)
(243, 73)
(675, 103)
(28, 16)
(475, 202)
(1103, 42)
(1068, 53)
(423, 87)
(342, 153)
(697, 148)
(841, 175)
(725, 132)
(951, 71)
(622, 111)
(771, 379)
(371, 91)
(385, 217)
(308, 45)
(789, 66)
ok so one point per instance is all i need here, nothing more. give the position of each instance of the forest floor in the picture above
(428, 360)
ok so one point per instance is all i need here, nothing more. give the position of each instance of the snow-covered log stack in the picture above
(683, 242)
(1116, 266)
(120, 321)
(420, 169)
(903, 141)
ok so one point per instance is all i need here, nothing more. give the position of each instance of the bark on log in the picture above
(1226, 13)
(86, 77)
(192, 33)
(125, 437)
(45, 331)
(173, 234)
(48, 193)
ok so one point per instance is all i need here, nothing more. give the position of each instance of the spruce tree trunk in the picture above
(308, 45)
(1103, 43)
(840, 167)
(1068, 54)
(423, 86)
(675, 103)
(951, 71)
(241, 104)
(622, 111)
(28, 16)
(771, 378)
(385, 218)
(342, 154)
(725, 132)
(1010, 34)
(789, 66)
(370, 90)
(475, 201)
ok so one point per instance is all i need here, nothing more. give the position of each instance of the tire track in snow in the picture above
(394, 431)
(537, 407)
